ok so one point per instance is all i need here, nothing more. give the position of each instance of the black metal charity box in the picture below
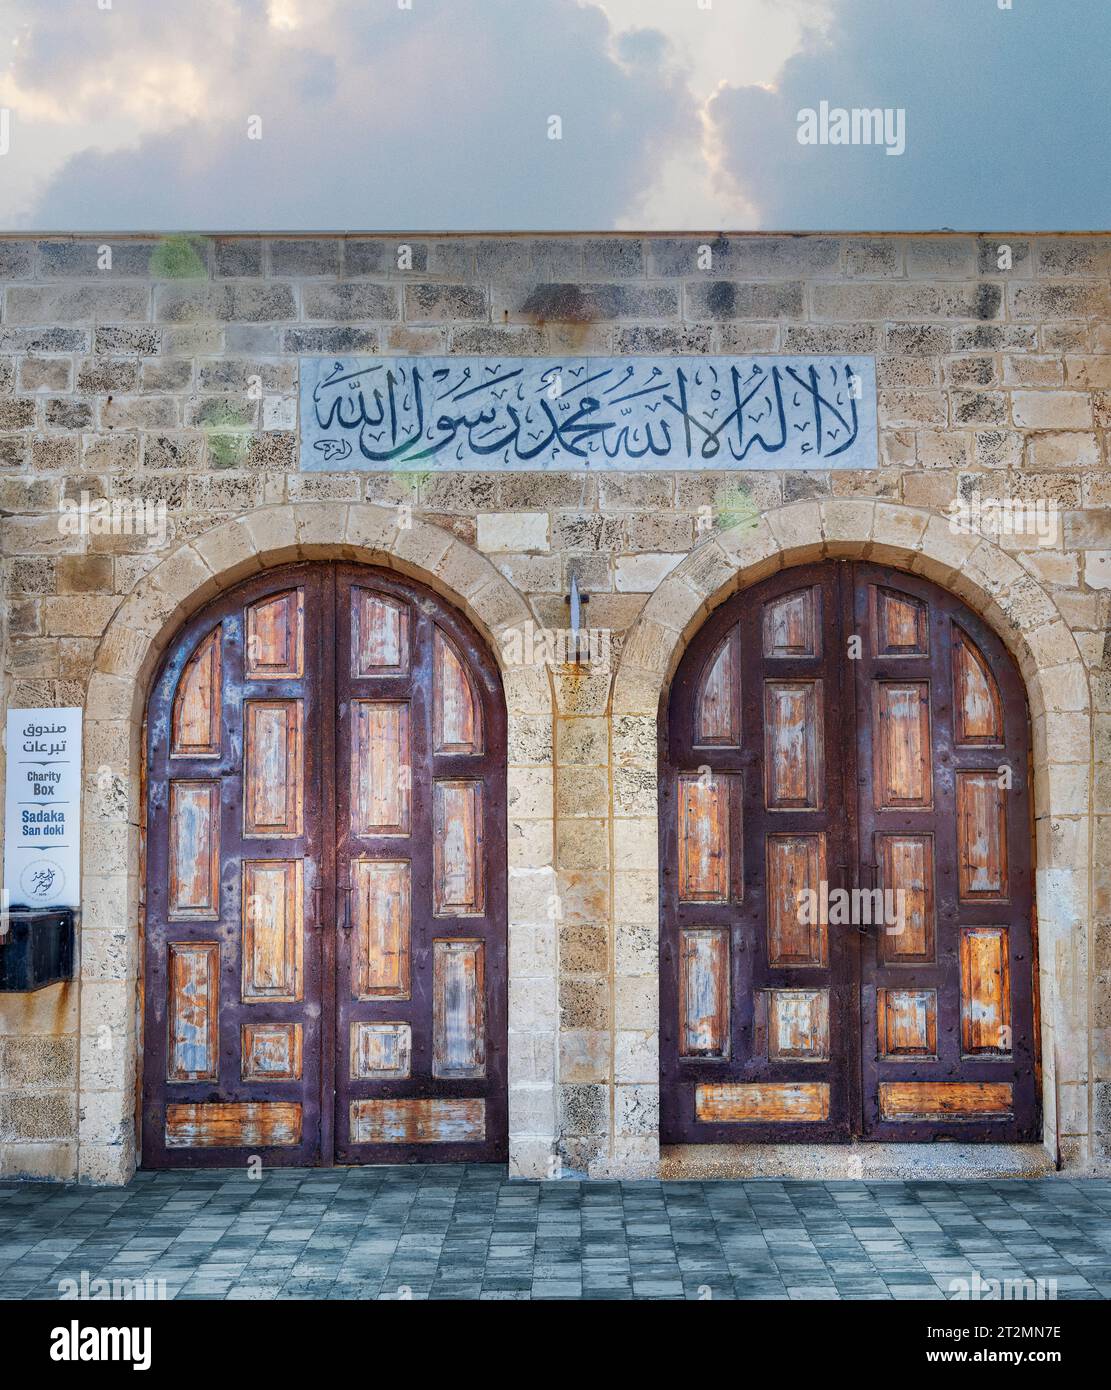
(37, 948)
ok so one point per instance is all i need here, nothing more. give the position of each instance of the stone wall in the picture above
(171, 377)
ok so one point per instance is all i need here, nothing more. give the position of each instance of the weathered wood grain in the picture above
(382, 919)
(276, 637)
(195, 722)
(952, 1100)
(271, 1051)
(273, 925)
(381, 768)
(981, 836)
(273, 769)
(985, 991)
(437, 1121)
(705, 992)
(458, 1008)
(770, 1101)
(193, 1051)
(233, 1125)
(458, 861)
(194, 834)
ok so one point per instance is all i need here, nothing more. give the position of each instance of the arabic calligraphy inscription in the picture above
(421, 413)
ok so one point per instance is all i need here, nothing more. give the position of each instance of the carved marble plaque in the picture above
(420, 413)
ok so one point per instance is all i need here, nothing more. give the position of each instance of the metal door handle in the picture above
(345, 920)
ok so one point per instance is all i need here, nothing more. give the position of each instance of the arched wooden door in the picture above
(325, 938)
(847, 943)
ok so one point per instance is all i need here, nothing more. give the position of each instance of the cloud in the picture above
(1007, 119)
(371, 117)
(436, 117)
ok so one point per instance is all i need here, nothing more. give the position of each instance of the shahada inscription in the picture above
(418, 413)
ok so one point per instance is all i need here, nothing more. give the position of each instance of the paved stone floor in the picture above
(467, 1232)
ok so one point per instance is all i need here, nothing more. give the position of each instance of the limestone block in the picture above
(582, 742)
(532, 1109)
(532, 948)
(532, 894)
(513, 531)
(644, 573)
(637, 1109)
(582, 844)
(532, 1058)
(529, 793)
(636, 1002)
(636, 947)
(230, 552)
(637, 1057)
(110, 1165)
(530, 843)
(636, 843)
(1051, 410)
(584, 1056)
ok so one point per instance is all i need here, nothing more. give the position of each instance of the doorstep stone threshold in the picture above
(825, 1162)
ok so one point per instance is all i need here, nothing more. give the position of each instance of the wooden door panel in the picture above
(195, 724)
(457, 711)
(719, 700)
(458, 857)
(194, 1011)
(381, 1051)
(194, 849)
(904, 757)
(754, 1013)
(381, 767)
(273, 930)
(276, 637)
(947, 1039)
(324, 952)
(981, 836)
(227, 1126)
(704, 992)
(458, 1008)
(234, 877)
(793, 758)
(900, 623)
(447, 1125)
(710, 851)
(797, 768)
(273, 768)
(419, 1056)
(379, 634)
(798, 1024)
(272, 1051)
(985, 991)
(793, 624)
(797, 868)
(381, 899)
(768, 1103)
(907, 1022)
(978, 714)
(905, 865)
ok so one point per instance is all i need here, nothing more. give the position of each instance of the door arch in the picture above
(325, 916)
(835, 734)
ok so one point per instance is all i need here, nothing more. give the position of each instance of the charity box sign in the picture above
(42, 846)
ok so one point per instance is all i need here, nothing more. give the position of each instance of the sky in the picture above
(179, 115)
